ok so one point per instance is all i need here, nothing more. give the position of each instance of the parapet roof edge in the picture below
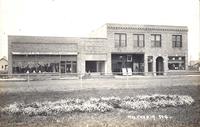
(144, 26)
(40, 36)
(64, 37)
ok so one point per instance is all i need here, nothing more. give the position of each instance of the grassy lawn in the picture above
(186, 115)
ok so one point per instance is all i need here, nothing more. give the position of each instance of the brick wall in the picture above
(164, 51)
(102, 48)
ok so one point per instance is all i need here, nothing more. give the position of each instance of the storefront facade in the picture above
(143, 49)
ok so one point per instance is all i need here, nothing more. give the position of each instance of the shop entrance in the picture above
(159, 66)
(135, 62)
(68, 66)
(95, 66)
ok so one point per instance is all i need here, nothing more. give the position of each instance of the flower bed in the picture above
(102, 104)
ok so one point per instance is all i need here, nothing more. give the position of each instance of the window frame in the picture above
(138, 40)
(176, 63)
(176, 41)
(120, 40)
(154, 41)
(129, 58)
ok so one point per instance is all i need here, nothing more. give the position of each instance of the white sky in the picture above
(77, 18)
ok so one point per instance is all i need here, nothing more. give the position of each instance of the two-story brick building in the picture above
(144, 49)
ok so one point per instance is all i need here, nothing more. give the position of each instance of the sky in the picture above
(77, 18)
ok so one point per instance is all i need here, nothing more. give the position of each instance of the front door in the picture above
(62, 66)
(159, 66)
(68, 66)
(135, 67)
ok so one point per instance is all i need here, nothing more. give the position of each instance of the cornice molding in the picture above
(148, 28)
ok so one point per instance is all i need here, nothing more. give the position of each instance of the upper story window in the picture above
(156, 40)
(176, 41)
(120, 40)
(138, 40)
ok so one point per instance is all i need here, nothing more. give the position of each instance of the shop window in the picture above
(43, 64)
(129, 58)
(176, 63)
(36, 68)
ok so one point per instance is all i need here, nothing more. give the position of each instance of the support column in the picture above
(165, 62)
(154, 65)
(186, 62)
(145, 65)
(81, 64)
(60, 64)
(97, 66)
(108, 67)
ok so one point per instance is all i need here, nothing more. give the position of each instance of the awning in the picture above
(44, 53)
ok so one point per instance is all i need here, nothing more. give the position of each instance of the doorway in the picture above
(159, 66)
(68, 66)
(133, 61)
(95, 66)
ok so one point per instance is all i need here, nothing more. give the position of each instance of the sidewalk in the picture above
(96, 78)
(13, 80)
(115, 83)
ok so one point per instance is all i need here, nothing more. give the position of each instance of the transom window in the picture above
(138, 40)
(176, 41)
(156, 40)
(120, 40)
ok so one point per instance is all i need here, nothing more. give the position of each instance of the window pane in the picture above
(135, 40)
(153, 37)
(116, 43)
(123, 43)
(173, 38)
(178, 44)
(141, 43)
(123, 37)
(178, 38)
(158, 38)
(173, 44)
(157, 44)
(141, 37)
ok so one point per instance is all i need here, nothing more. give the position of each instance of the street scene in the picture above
(107, 63)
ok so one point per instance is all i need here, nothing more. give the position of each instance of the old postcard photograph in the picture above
(99, 63)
